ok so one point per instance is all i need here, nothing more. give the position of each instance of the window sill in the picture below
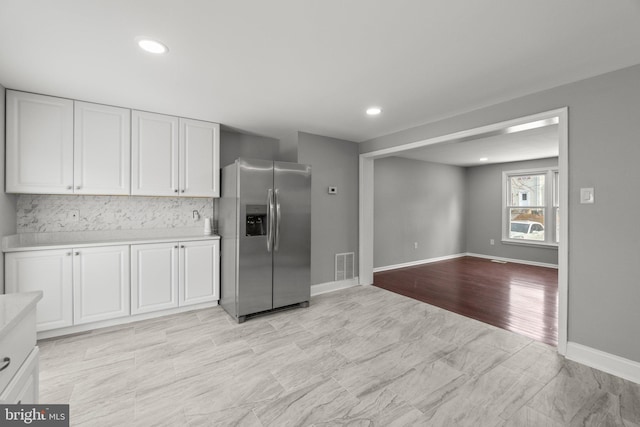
(530, 243)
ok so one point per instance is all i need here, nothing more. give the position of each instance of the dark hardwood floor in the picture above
(516, 297)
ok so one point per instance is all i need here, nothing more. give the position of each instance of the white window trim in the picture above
(549, 207)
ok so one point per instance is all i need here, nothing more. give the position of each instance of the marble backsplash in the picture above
(53, 213)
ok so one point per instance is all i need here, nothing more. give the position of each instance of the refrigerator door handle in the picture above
(277, 231)
(269, 219)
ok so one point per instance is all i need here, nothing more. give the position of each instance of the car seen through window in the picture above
(526, 230)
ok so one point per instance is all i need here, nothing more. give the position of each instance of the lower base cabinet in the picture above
(19, 356)
(93, 284)
(48, 271)
(100, 284)
(168, 275)
(154, 277)
(79, 285)
(24, 388)
(199, 274)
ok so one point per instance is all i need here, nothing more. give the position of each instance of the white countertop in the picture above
(83, 239)
(13, 307)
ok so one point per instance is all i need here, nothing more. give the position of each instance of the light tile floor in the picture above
(358, 357)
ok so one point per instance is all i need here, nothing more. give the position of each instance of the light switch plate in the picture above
(587, 196)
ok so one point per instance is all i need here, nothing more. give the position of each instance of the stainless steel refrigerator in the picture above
(264, 221)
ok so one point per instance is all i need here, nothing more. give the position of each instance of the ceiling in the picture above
(531, 144)
(276, 67)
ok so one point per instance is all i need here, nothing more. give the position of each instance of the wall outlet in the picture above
(415, 245)
(492, 242)
(73, 215)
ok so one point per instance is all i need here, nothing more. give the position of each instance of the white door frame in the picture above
(365, 239)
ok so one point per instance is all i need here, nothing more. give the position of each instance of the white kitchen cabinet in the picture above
(173, 156)
(102, 144)
(19, 355)
(154, 154)
(61, 146)
(91, 285)
(199, 274)
(39, 147)
(58, 146)
(199, 158)
(48, 271)
(24, 388)
(168, 275)
(154, 277)
(100, 283)
(79, 286)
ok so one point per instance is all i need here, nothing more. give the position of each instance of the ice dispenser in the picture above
(256, 220)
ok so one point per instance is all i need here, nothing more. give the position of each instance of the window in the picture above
(531, 207)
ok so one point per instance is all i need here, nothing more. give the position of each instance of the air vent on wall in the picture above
(344, 266)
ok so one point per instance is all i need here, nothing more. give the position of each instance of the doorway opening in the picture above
(556, 233)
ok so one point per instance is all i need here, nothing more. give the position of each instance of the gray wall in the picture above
(416, 201)
(484, 217)
(603, 237)
(234, 145)
(288, 148)
(7, 201)
(334, 218)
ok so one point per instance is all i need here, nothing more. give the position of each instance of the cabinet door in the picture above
(39, 144)
(154, 277)
(154, 154)
(199, 273)
(100, 283)
(29, 392)
(102, 149)
(24, 387)
(49, 272)
(199, 158)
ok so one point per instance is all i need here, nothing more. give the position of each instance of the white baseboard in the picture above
(323, 288)
(418, 262)
(609, 363)
(446, 257)
(517, 261)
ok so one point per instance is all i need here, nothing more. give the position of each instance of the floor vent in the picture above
(344, 266)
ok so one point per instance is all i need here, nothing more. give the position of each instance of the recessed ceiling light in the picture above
(484, 159)
(152, 46)
(374, 111)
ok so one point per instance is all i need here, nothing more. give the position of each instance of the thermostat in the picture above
(333, 190)
(587, 196)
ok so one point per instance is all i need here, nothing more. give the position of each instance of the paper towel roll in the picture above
(207, 225)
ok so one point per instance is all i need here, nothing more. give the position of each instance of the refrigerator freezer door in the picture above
(254, 286)
(292, 258)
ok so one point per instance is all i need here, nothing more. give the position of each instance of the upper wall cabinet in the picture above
(102, 144)
(154, 154)
(61, 146)
(56, 147)
(39, 144)
(199, 158)
(174, 156)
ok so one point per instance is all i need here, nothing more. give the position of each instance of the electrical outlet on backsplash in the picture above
(50, 213)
